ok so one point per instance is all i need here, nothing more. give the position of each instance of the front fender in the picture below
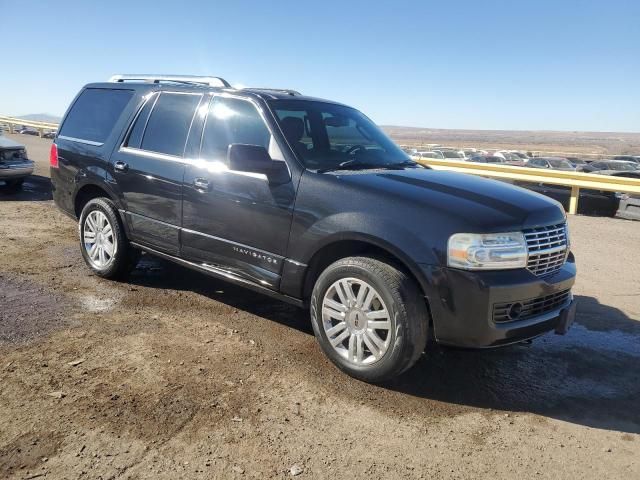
(392, 237)
(383, 232)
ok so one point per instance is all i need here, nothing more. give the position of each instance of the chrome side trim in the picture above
(222, 274)
(152, 219)
(80, 140)
(297, 264)
(241, 245)
(147, 153)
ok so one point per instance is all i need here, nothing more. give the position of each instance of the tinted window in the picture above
(340, 136)
(94, 114)
(169, 123)
(135, 136)
(231, 120)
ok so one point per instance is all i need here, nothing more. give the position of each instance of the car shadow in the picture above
(589, 376)
(35, 188)
(158, 273)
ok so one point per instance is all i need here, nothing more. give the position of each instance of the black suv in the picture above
(308, 201)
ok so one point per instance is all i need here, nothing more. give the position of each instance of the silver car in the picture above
(14, 164)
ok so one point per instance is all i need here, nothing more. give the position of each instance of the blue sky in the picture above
(519, 64)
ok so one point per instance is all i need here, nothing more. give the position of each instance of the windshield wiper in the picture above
(352, 165)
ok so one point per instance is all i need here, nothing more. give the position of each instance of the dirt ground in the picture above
(176, 375)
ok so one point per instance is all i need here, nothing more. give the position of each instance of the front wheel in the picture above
(369, 318)
(103, 243)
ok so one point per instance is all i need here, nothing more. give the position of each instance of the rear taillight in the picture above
(53, 156)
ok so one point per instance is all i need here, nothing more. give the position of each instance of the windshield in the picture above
(326, 136)
(560, 163)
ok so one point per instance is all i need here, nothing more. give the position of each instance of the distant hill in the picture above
(41, 117)
(598, 143)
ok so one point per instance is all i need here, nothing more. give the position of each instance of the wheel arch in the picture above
(361, 245)
(88, 192)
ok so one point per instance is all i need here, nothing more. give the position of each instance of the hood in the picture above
(479, 204)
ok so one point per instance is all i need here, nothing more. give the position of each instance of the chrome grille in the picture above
(547, 248)
(505, 312)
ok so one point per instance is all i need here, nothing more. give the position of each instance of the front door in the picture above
(235, 220)
(149, 169)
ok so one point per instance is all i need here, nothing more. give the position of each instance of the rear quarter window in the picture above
(94, 114)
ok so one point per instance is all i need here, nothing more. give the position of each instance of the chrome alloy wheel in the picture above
(356, 321)
(98, 238)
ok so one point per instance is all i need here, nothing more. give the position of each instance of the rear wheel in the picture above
(369, 318)
(103, 243)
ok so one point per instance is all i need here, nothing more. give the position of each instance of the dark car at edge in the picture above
(308, 201)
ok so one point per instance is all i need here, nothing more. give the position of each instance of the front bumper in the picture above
(15, 170)
(463, 304)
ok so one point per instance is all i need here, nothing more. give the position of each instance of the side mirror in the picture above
(249, 158)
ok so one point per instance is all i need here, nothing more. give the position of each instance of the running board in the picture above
(222, 274)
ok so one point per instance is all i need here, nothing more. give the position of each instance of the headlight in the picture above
(487, 251)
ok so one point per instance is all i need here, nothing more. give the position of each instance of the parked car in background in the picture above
(49, 134)
(28, 131)
(629, 207)
(14, 164)
(521, 155)
(613, 167)
(591, 202)
(486, 159)
(513, 159)
(553, 163)
(579, 163)
(628, 158)
(429, 154)
(451, 154)
(470, 152)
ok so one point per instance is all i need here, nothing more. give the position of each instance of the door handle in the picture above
(121, 166)
(201, 183)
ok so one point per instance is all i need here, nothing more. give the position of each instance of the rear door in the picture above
(149, 168)
(236, 220)
(86, 138)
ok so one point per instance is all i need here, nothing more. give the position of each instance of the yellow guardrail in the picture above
(39, 126)
(574, 180)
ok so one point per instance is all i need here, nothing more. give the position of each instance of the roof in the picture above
(199, 84)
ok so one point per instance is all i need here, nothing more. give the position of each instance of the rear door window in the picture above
(168, 126)
(135, 135)
(94, 114)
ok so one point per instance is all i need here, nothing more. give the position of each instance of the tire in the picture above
(113, 262)
(403, 331)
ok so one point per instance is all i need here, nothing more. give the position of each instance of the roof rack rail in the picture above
(201, 80)
(288, 91)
